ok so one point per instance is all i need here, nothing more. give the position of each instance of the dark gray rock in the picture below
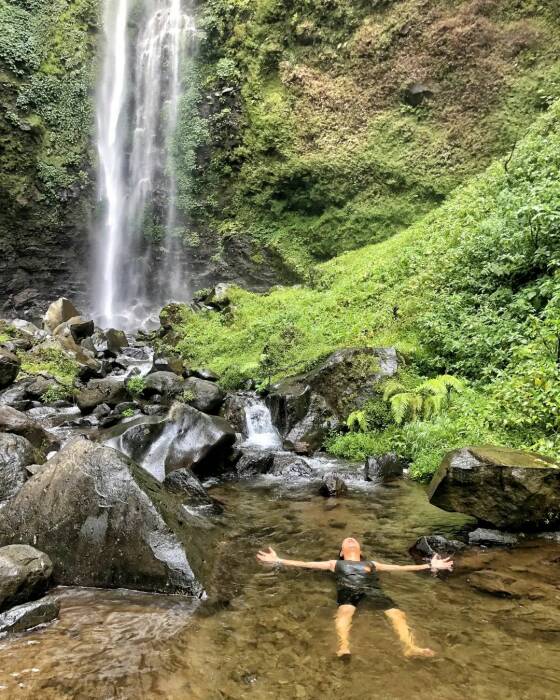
(105, 522)
(13, 421)
(167, 384)
(28, 615)
(16, 395)
(192, 493)
(24, 574)
(207, 396)
(205, 373)
(492, 538)
(110, 391)
(253, 462)
(289, 465)
(332, 485)
(16, 453)
(101, 411)
(9, 368)
(164, 363)
(116, 341)
(80, 328)
(384, 467)
(234, 411)
(137, 440)
(437, 544)
(505, 488)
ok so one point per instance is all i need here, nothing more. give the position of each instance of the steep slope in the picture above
(472, 289)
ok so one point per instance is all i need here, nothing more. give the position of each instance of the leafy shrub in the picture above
(136, 385)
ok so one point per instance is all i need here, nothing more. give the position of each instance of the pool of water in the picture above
(269, 634)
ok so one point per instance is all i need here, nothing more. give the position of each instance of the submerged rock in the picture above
(16, 453)
(333, 485)
(506, 488)
(429, 545)
(29, 615)
(105, 522)
(492, 538)
(384, 467)
(16, 422)
(191, 492)
(24, 574)
(9, 368)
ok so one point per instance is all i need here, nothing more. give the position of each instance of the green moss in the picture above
(50, 361)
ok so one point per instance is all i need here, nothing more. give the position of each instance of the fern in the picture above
(357, 421)
(392, 387)
(400, 406)
(426, 401)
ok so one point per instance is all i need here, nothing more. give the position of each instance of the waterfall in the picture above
(137, 109)
(261, 432)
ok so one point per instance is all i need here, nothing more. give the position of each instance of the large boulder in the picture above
(106, 522)
(254, 462)
(206, 396)
(16, 453)
(305, 408)
(28, 615)
(383, 467)
(59, 311)
(9, 368)
(191, 492)
(16, 422)
(78, 327)
(288, 465)
(506, 488)
(110, 391)
(167, 384)
(332, 485)
(24, 574)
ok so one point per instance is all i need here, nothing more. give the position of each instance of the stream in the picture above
(266, 634)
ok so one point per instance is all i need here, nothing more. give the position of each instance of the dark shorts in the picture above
(377, 600)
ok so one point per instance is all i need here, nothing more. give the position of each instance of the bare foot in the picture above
(344, 651)
(414, 652)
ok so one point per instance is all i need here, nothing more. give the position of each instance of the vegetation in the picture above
(472, 290)
(50, 361)
(136, 385)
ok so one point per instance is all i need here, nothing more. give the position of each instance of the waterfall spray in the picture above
(137, 110)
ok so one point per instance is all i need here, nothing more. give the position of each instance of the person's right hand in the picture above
(268, 557)
(439, 564)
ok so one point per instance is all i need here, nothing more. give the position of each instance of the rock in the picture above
(192, 493)
(59, 311)
(302, 448)
(384, 467)
(492, 538)
(504, 585)
(233, 411)
(505, 488)
(167, 384)
(29, 615)
(16, 395)
(416, 93)
(171, 315)
(13, 421)
(207, 396)
(162, 363)
(305, 408)
(332, 486)
(253, 462)
(429, 545)
(288, 465)
(108, 343)
(80, 328)
(204, 373)
(140, 354)
(28, 329)
(105, 522)
(101, 411)
(16, 453)
(218, 297)
(24, 574)
(137, 440)
(110, 391)
(9, 368)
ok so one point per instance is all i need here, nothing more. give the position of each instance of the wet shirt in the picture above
(355, 575)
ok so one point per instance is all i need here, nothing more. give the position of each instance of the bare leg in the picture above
(343, 623)
(404, 633)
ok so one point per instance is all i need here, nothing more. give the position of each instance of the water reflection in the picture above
(269, 634)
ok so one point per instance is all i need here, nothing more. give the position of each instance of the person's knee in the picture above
(345, 611)
(394, 613)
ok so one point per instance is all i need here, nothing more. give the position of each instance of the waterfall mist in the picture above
(139, 265)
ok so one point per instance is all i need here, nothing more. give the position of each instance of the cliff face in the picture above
(46, 80)
(307, 128)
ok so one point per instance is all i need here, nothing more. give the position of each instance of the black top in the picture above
(355, 575)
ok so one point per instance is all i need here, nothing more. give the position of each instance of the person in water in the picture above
(356, 580)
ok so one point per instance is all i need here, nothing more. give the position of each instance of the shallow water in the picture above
(269, 634)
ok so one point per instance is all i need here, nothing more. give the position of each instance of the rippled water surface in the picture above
(269, 634)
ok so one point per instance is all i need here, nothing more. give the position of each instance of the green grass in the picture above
(472, 289)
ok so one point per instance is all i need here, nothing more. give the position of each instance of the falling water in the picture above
(261, 432)
(137, 110)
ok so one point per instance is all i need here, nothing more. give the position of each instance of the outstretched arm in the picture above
(436, 564)
(270, 557)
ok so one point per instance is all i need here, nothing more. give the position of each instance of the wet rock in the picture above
(154, 409)
(384, 467)
(201, 442)
(333, 485)
(302, 448)
(108, 343)
(204, 373)
(9, 368)
(234, 411)
(105, 522)
(13, 421)
(110, 391)
(254, 462)
(505, 585)
(416, 93)
(137, 440)
(164, 363)
(505, 488)
(101, 411)
(140, 353)
(16, 395)
(192, 493)
(16, 453)
(492, 538)
(429, 545)
(24, 574)
(312, 429)
(206, 396)
(28, 615)
(289, 465)
(58, 312)
(80, 328)
(29, 329)
(171, 315)
(167, 384)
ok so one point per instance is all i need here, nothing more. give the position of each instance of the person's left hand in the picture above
(268, 557)
(439, 564)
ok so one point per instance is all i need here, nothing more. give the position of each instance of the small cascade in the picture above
(261, 432)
